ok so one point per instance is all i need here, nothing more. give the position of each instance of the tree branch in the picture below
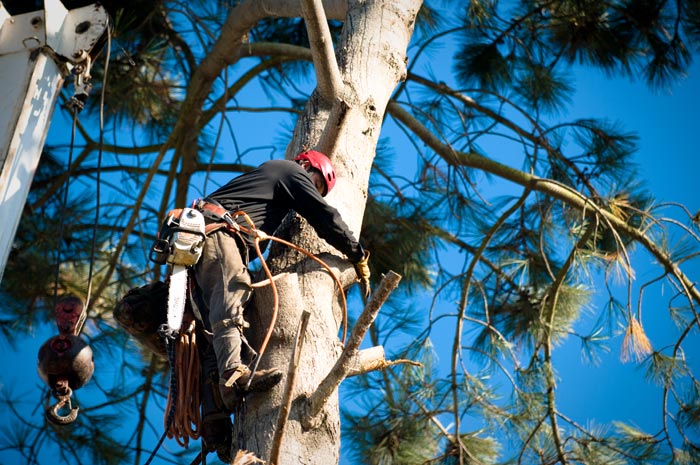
(550, 187)
(230, 93)
(328, 81)
(548, 315)
(344, 363)
(289, 388)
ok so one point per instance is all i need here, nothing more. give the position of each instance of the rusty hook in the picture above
(52, 412)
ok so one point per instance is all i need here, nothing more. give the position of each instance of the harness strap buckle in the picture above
(216, 212)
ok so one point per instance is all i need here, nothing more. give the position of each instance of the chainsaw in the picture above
(179, 245)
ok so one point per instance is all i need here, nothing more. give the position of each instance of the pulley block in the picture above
(66, 357)
(65, 361)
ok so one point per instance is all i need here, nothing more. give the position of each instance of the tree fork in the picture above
(371, 55)
(329, 82)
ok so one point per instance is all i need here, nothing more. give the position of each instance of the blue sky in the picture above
(667, 124)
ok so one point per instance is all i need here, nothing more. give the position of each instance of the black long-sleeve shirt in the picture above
(270, 191)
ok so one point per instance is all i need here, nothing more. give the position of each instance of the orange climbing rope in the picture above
(186, 423)
(260, 236)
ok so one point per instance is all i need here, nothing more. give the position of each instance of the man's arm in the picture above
(327, 222)
(325, 219)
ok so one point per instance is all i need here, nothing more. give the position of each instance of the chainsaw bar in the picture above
(177, 295)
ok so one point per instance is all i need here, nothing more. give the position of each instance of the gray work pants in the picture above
(224, 282)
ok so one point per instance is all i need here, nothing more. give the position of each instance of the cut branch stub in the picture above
(367, 360)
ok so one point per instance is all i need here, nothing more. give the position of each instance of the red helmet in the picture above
(321, 163)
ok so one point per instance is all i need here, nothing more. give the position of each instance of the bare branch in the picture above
(345, 362)
(329, 83)
(289, 388)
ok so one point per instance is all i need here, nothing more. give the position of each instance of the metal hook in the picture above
(53, 415)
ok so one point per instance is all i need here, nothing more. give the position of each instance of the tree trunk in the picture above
(371, 57)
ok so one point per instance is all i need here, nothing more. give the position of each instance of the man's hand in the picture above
(362, 270)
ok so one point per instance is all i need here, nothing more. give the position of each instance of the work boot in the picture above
(217, 436)
(232, 386)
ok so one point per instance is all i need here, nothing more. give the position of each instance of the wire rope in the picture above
(100, 151)
(63, 205)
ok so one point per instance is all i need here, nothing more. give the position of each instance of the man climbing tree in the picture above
(265, 196)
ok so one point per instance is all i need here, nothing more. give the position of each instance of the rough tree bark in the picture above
(371, 58)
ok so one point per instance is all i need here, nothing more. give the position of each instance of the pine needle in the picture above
(636, 344)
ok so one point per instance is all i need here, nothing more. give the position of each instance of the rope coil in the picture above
(186, 422)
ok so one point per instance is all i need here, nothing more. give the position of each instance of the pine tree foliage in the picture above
(509, 221)
(393, 426)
